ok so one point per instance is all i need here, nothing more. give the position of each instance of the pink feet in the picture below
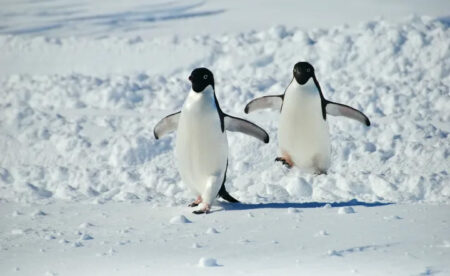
(286, 160)
(205, 210)
(196, 202)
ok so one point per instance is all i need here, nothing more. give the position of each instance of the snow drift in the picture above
(83, 130)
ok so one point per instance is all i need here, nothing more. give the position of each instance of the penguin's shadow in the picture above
(300, 205)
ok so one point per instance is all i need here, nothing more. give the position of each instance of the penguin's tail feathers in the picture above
(225, 195)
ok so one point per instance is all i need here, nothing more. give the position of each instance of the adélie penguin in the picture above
(303, 135)
(201, 148)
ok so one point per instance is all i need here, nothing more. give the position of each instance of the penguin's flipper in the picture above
(337, 109)
(246, 127)
(272, 102)
(166, 125)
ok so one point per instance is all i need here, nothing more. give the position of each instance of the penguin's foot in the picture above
(196, 202)
(204, 210)
(320, 171)
(288, 163)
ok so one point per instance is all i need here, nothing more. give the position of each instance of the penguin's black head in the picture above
(200, 79)
(302, 72)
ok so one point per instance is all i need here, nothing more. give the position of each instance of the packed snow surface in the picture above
(84, 137)
(134, 239)
(67, 18)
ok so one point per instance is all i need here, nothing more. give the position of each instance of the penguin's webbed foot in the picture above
(284, 162)
(201, 211)
(204, 210)
(196, 202)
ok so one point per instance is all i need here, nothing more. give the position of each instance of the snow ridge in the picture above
(82, 135)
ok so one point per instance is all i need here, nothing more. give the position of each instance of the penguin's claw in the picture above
(196, 202)
(201, 211)
(284, 162)
(205, 210)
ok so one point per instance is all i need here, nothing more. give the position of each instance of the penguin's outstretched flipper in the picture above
(272, 102)
(246, 127)
(337, 109)
(166, 125)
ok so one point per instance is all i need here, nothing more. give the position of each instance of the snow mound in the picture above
(212, 230)
(207, 262)
(346, 210)
(179, 220)
(75, 135)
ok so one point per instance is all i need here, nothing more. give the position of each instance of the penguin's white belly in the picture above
(201, 147)
(303, 133)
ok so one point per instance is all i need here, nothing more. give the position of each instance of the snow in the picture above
(83, 137)
(83, 181)
(345, 210)
(206, 262)
(272, 241)
(179, 220)
(212, 230)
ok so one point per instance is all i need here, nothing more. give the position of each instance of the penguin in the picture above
(303, 133)
(201, 146)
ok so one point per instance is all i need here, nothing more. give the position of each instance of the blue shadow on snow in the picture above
(353, 202)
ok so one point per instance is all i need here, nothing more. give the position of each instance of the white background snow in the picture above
(85, 189)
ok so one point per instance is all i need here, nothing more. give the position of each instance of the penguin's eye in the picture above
(308, 70)
(205, 77)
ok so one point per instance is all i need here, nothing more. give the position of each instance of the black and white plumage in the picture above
(201, 144)
(303, 128)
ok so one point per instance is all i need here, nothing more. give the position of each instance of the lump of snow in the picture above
(207, 262)
(196, 245)
(21, 231)
(16, 213)
(49, 237)
(333, 253)
(291, 210)
(392, 218)
(321, 233)
(179, 220)
(85, 225)
(86, 237)
(38, 213)
(345, 210)
(63, 241)
(299, 187)
(327, 206)
(244, 241)
(77, 244)
(212, 230)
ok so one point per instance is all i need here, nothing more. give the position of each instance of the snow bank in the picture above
(81, 136)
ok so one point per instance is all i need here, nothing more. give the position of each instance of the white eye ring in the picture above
(205, 77)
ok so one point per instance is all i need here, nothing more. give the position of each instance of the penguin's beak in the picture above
(190, 78)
